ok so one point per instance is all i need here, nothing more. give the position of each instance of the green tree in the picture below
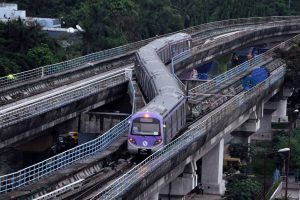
(16, 39)
(8, 66)
(281, 141)
(41, 55)
(106, 24)
(157, 17)
(241, 187)
(291, 57)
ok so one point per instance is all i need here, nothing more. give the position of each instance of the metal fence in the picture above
(119, 51)
(234, 72)
(176, 59)
(132, 91)
(56, 101)
(117, 188)
(30, 174)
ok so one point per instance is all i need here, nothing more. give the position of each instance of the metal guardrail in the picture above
(132, 91)
(30, 174)
(176, 59)
(234, 72)
(119, 51)
(117, 188)
(14, 116)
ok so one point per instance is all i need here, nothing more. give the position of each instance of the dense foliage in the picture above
(112, 23)
(243, 151)
(25, 47)
(281, 140)
(241, 187)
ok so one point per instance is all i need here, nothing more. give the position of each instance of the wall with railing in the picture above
(45, 71)
(30, 174)
(230, 74)
(47, 104)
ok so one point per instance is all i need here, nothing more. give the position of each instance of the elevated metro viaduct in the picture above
(217, 54)
(178, 175)
(29, 128)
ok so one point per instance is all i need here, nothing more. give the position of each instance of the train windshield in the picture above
(145, 126)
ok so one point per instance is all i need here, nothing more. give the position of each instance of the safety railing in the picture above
(235, 72)
(117, 188)
(132, 91)
(13, 181)
(119, 51)
(47, 104)
(176, 59)
(223, 39)
(245, 27)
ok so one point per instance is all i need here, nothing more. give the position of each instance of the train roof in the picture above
(179, 36)
(166, 84)
(163, 104)
(159, 43)
(157, 70)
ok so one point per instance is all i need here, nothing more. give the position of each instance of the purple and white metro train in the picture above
(160, 120)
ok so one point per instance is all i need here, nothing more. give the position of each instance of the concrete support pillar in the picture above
(212, 170)
(279, 115)
(241, 139)
(265, 131)
(182, 185)
(242, 134)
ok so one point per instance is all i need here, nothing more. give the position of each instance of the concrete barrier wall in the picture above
(204, 54)
(29, 128)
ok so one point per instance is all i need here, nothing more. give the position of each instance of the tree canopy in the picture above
(241, 187)
(108, 24)
(281, 140)
(18, 42)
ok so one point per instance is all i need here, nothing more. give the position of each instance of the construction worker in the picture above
(10, 77)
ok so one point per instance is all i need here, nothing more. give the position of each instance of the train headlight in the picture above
(132, 140)
(158, 141)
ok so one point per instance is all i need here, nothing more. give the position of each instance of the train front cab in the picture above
(145, 133)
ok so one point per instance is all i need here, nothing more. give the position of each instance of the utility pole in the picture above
(289, 4)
